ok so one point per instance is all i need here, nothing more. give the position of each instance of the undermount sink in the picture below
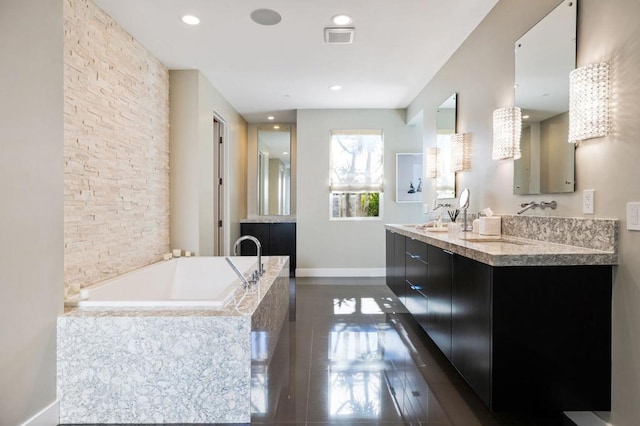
(495, 240)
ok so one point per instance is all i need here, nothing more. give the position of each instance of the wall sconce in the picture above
(507, 127)
(433, 168)
(589, 102)
(460, 151)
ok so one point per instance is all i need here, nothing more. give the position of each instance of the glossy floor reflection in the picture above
(354, 356)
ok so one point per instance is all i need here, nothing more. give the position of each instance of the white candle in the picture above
(176, 252)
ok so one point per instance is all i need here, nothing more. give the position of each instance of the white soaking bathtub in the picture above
(207, 282)
(146, 348)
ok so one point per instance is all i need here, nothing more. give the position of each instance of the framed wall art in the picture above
(409, 178)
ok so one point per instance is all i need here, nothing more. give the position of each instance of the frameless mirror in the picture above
(274, 170)
(445, 127)
(545, 56)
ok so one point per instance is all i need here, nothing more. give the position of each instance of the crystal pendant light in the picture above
(589, 102)
(507, 126)
(460, 151)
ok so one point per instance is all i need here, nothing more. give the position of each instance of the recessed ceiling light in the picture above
(276, 127)
(271, 117)
(342, 20)
(285, 153)
(335, 88)
(524, 117)
(265, 17)
(190, 20)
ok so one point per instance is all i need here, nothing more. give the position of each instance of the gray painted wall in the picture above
(482, 72)
(345, 245)
(31, 212)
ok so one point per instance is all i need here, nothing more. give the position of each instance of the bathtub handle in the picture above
(239, 274)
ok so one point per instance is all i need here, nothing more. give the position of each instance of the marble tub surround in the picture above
(158, 365)
(598, 234)
(508, 250)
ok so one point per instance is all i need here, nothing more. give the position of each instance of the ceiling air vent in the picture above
(340, 35)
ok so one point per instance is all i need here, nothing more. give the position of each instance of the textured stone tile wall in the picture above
(116, 149)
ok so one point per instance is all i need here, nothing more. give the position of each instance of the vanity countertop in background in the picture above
(270, 219)
(511, 251)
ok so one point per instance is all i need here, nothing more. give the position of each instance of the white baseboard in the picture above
(340, 272)
(49, 416)
(585, 418)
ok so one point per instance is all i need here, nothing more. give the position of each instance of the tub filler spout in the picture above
(260, 268)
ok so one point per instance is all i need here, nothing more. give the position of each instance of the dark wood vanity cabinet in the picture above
(439, 298)
(524, 338)
(416, 263)
(395, 256)
(276, 239)
(471, 313)
(551, 337)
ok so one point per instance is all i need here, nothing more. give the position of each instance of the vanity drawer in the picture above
(417, 250)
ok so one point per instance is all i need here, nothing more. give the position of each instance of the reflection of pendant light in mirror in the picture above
(507, 126)
(589, 102)
(433, 168)
(460, 151)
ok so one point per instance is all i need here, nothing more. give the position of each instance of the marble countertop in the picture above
(270, 219)
(508, 250)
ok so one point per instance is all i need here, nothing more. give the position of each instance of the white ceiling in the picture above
(398, 47)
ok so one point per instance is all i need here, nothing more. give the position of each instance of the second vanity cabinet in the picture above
(523, 337)
(276, 239)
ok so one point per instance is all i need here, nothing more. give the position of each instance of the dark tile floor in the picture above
(354, 356)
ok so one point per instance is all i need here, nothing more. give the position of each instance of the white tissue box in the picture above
(490, 225)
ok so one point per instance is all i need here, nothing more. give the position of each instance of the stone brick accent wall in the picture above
(116, 149)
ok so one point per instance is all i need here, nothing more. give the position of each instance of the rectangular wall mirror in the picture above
(545, 56)
(445, 127)
(274, 170)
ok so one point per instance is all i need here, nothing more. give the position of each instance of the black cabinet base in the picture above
(525, 338)
(276, 239)
(552, 328)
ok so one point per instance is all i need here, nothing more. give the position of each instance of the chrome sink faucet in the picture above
(260, 269)
(543, 205)
(527, 206)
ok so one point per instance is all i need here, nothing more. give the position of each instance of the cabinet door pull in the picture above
(447, 251)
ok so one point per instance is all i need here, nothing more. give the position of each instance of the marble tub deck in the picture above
(153, 365)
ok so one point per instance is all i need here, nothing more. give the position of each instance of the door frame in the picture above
(221, 210)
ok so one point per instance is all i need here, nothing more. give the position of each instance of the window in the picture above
(356, 162)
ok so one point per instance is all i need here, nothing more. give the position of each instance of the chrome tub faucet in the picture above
(260, 268)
